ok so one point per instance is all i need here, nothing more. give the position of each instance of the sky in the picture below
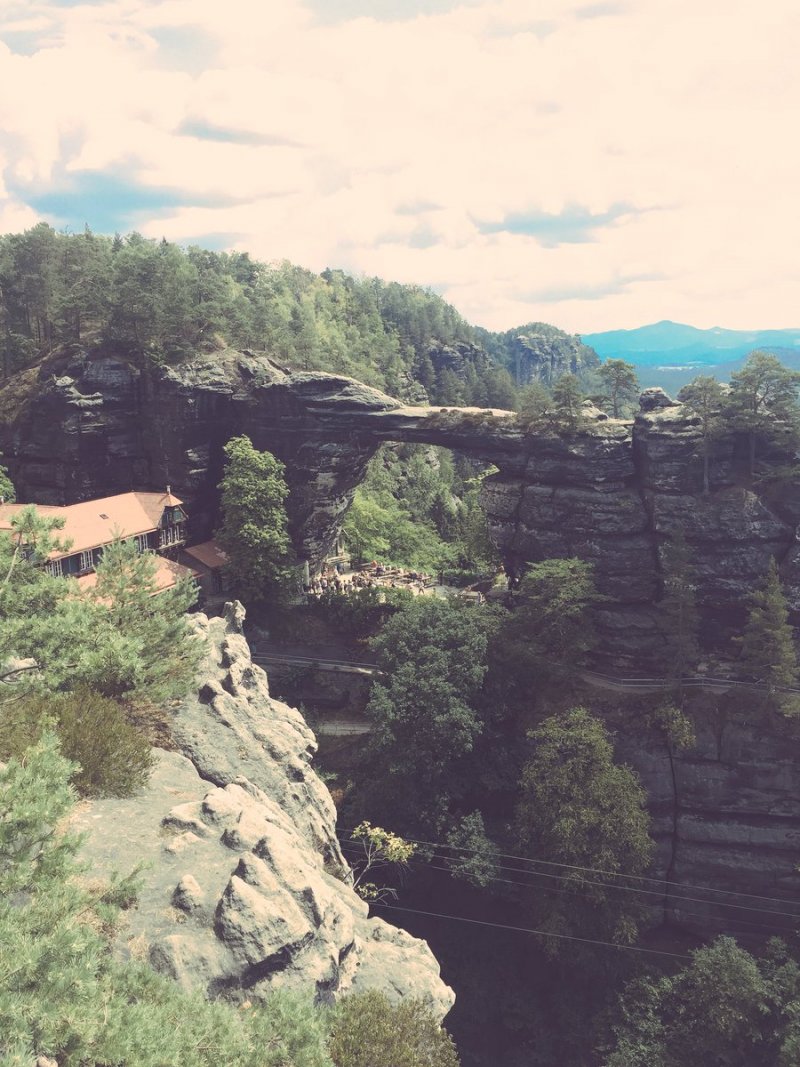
(594, 164)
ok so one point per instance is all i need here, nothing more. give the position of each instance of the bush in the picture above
(369, 1031)
(114, 758)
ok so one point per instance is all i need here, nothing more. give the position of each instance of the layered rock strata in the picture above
(244, 888)
(615, 493)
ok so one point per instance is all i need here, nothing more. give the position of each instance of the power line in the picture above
(608, 885)
(609, 874)
(576, 889)
(528, 930)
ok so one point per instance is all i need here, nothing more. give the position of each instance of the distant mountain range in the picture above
(671, 353)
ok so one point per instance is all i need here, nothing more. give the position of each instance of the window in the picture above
(141, 542)
(170, 535)
(55, 568)
(86, 561)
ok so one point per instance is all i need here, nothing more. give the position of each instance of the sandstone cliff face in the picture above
(726, 815)
(614, 494)
(245, 888)
(541, 353)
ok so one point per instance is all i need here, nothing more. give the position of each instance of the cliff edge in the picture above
(244, 887)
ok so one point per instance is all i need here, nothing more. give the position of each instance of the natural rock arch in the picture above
(613, 494)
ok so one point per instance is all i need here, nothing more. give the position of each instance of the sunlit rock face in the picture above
(614, 494)
(244, 888)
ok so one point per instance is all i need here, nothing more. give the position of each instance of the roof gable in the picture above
(92, 523)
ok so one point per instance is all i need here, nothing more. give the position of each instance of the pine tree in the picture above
(762, 402)
(768, 653)
(704, 396)
(568, 403)
(621, 383)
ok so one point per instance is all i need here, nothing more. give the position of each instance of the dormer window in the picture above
(172, 516)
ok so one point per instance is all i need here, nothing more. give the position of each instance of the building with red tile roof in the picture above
(156, 521)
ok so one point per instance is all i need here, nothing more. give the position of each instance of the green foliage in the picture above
(705, 397)
(123, 641)
(376, 848)
(674, 725)
(158, 303)
(61, 992)
(419, 509)
(474, 857)
(361, 613)
(433, 653)
(578, 807)
(725, 1009)
(7, 491)
(762, 403)
(143, 647)
(112, 758)
(368, 1031)
(620, 383)
(534, 407)
(568, 404)
(254, 531)
(768, 654)
(551, 624)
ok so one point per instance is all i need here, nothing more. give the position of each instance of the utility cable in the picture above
(595, 870)
(611, 885)
(528, 930)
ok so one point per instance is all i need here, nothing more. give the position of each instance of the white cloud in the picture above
(682, 110)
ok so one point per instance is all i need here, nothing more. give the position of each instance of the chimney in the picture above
(169, 490)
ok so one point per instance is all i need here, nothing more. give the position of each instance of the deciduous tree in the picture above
(255, 530)
(581, 809)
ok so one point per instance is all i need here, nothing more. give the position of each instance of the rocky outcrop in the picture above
(244, 887)
(542, 353)
(614, 493)
(726, 817)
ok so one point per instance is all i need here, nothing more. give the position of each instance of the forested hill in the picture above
(157, 301)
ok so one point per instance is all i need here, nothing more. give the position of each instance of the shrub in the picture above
(113, 758)
(369, 1031)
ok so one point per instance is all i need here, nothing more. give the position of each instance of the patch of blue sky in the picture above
(208, 131)
(329, 12)
(213, 242)
(23, 42)
(106, 201)
(186, 48)
(574, 225)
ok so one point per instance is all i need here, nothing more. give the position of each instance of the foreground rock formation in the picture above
(244, 886)
(89, 424)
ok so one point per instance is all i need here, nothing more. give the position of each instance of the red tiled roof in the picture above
(98, 522)
(209, 554)
(167, 575)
